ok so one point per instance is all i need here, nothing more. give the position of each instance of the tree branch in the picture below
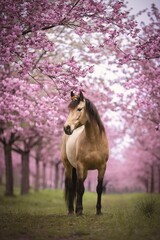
(61, 23)
(17, 149)
(145, 58)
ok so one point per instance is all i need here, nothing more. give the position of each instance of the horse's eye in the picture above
(79, 109)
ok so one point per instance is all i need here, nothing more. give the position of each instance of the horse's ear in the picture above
(72, 94)
(81, 96)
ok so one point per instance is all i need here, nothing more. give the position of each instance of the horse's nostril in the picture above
(67, 129)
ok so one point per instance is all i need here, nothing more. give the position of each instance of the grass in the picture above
(42, 216)
(147, 207)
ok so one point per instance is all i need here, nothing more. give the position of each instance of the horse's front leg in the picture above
(69, 194)
(99, 189)
(81, 176)
(80, 192)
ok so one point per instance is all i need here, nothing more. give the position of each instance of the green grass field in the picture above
(42, 216)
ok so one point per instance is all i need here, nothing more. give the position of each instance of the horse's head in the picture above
(77, 113)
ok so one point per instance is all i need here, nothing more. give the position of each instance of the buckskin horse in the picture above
(84, 147)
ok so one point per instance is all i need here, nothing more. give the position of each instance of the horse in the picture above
(84, 147)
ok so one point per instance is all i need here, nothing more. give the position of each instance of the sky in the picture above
(138, 5)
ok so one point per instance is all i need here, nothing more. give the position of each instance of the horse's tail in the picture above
(70, 186)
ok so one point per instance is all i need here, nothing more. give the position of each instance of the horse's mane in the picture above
(94, 115)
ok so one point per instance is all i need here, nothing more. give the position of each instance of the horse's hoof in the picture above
(79, 213)
(70, 213)
(98, 213)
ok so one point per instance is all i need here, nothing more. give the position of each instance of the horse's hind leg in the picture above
(100, 188)
(69, 193)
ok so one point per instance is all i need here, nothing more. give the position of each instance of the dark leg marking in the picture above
(99, 194)
(80, 192)
(69, 195)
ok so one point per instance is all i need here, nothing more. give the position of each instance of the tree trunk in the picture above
(44, 175)
(56, 180)
(89, 186)
(25, 173)
(8, 169)
(147, 185)
(1, 176)
(62, 177)
(159, 179)
(51, 174)
(37, 175)
(152, 179)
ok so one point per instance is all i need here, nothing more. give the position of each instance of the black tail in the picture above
(70, 188)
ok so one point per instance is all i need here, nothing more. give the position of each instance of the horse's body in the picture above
(84, 147)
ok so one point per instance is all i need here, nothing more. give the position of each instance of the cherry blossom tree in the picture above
(48, 49)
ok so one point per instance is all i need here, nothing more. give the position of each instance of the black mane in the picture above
(94, 115)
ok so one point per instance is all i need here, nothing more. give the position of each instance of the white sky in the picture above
(139, 5)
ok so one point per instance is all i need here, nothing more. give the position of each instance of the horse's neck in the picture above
(92, 131)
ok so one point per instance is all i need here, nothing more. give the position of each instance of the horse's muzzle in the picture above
(67, 130)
